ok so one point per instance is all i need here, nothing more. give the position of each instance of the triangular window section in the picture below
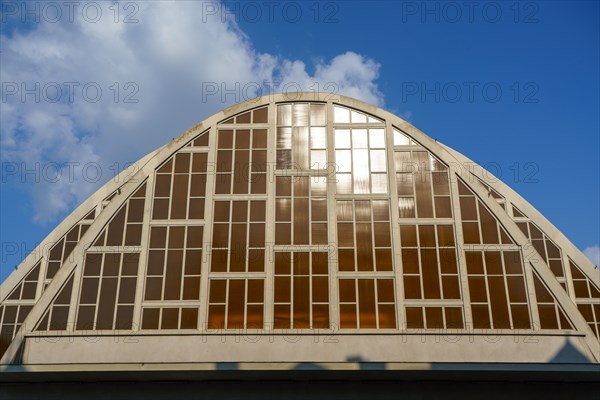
(587, 297)
(551, 314)
(56, 316)
(125, 229)
(479, 224)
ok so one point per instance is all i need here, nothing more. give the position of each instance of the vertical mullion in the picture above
(270, 204)
(394, 225)
(208, 229)
(332, 256)
(460, 251)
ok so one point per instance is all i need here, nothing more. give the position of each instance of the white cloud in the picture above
(593, 253)
(169, 55)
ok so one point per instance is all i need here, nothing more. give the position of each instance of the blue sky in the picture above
(512, 85)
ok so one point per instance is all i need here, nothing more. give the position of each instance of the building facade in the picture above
(308, 231)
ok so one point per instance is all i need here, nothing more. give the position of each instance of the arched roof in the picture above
(295, 215)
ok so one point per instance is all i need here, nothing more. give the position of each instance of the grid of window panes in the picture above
(301, 298)
(256, 116)
(238, 240)
(107, 294)
(301, 136)
(200, 141)
(497, 290)
(434, 317)
(360, 160)
(174, 263)
(551, 314)
(546, 248)
(55, 317)
(63, 248)
(343, 115)
(588, 298)
(11, 318)
(494, 194)
(479, 224)
(300, 210)
(180, 187)
(364, 235)
(241, 161)
(429, 263)
(26, 289)
(367, 303)
(236, 303)
(125, 228)
(423, 185)
(170, 318)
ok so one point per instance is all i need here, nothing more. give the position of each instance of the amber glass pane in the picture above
(414, 318)
(222, 184)
(115, 229)
(426, 236)
(451, 287)
(189, 318)
(520, 316)
(404, 184)
(85, 317)
(477, 289)
(219, 261)
(548, 316)
(283, 210)
(541, 293)
(387, 316)
(493, 262)
(431, 285)
(468, 209)
(447, 258)
(348, 316)
(383, 260)
(150, 318)
(454, 317)
(410, 261)
(170, 318)
(160, 209)
(412, 287)
(442, 207)
(163, 186)
(471, 232)
(408, 235)
(282, 263)
(364, 251)
(434, 318)
(127, 290)
(385, 291)
(282, 316)
(282, 289)
(347, 290)
(516, 289)
(283, 233)
(235, 312)
(301, 301)
(106, 303)
(481, 318)
(89, 291)
(440, 183)
(498, 302)
(346, 259)
(93, 263)
(216, 317)
(423, 196)
(173, 275)
(489, 230)
(153, 288)
(176, 235)
(382, 234)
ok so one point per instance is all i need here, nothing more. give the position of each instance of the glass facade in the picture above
(305, 216)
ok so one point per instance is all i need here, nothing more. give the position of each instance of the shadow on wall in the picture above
(569, 354)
